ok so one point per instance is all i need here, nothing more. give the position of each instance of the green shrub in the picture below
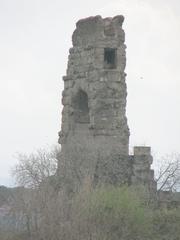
(114, 213)
(167, 224)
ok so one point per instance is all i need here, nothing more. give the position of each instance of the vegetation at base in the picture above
(114, 213)
(43, 209)
(167, 224)
(105, 212)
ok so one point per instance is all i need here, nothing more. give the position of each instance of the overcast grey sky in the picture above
(35, 36)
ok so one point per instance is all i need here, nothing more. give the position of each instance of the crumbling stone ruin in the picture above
(94, 134)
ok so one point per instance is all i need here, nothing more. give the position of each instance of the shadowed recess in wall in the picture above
(81, 109)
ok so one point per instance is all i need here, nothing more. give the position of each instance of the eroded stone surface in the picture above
(95, 134)
(102, 85)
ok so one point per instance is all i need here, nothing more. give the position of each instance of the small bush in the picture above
(167, 224)
(113, 213)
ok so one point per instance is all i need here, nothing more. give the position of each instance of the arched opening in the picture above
(81, 109)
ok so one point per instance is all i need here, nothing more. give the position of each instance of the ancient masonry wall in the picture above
(94, 133)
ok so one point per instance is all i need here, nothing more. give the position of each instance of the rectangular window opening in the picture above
(110, 58)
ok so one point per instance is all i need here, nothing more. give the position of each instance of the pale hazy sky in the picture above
(35, 36)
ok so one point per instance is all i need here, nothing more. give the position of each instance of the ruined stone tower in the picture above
(94, 95)
(94, 134)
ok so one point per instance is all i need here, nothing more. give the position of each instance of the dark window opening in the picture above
(110, 58)
(81, 109)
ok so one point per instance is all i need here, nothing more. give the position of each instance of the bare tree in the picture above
(168, 174)
(31, 203)
(31, 170)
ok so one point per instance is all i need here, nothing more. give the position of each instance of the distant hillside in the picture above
(5, 194)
